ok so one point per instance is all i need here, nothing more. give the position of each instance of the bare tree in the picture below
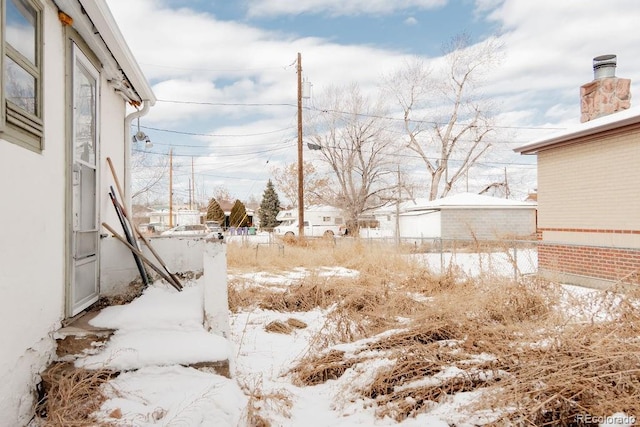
(222, 195)
(315, 186)
(149, 172)
(356, 145)
(446, 122)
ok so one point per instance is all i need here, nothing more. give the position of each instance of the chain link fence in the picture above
(507, 258)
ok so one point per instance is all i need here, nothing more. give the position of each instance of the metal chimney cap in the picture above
(604, 66)
(604, 61)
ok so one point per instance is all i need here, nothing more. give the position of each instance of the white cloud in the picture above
(337, 7)
(411, 21)
(191, 56)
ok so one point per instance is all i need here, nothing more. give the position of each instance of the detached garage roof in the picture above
(472, 201)
(584, 130)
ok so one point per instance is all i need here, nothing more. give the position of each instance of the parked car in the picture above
(153, 227)
(188, 230)
(214, 227)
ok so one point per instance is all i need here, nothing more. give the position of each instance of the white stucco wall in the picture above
(32, 245)
(32, 237)
(420, 225)
(118, 269)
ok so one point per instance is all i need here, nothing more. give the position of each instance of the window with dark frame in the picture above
(21, 60)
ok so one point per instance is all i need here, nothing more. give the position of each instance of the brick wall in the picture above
(487, 223)
(610, 264)
(604, 96)
(591, 185)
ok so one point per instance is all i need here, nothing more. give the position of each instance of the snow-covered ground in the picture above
(162, 330)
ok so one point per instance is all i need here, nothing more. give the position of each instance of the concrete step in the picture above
(78, 337)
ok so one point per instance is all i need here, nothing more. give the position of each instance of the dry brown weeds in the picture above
(73, 395)
(533, 363)
(320, 369)
(546, 371)
(260, 400)
(278, 327)
(296, 323)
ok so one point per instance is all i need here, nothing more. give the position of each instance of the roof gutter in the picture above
(603, 124)
(146, 105)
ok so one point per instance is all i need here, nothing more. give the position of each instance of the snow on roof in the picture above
(311, 208)
(321, 208)
(390, 208)
(470, 200)
(601, 124)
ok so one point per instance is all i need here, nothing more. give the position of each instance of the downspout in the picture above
(127, 150)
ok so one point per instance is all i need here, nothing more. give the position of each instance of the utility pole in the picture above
(398, 208)
(191, 186)
(300, 173)
(507, 192)
(170, 187)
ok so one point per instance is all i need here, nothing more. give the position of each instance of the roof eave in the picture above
(103, 20)
(602, 124)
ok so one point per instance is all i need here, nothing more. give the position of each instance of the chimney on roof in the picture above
(607, 93)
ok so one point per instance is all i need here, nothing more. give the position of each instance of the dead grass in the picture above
(278, 327)
(349, 253)
(529, 361)
(72, 396)
(296, 323)
(546, 371)
(320, 369)
(261, 400)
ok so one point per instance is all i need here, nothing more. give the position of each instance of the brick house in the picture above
(588, 179)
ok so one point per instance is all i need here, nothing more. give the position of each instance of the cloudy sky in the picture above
(224, 72)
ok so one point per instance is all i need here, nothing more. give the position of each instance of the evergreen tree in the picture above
(238, 216)
(269, 207)
(215, 212)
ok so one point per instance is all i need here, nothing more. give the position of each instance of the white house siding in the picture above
(420, 225)
(32, 238)
(32, 244)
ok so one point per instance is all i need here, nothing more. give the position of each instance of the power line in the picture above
(487, 163)
(217, 135)
(375, 116)
(348, 113)
(137, 150)
(228, 104)
(213, 69)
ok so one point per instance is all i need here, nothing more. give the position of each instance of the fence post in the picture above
(441, 255)
(216, 297)
(515, 261)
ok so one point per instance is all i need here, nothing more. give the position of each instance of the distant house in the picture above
(319, 220)
(315, 214)
(68, 78)
(588, 196)
(469, 216)
(179, 216)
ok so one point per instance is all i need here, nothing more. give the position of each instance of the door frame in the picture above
(78, 51)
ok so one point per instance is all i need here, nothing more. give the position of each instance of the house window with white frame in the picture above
(21, 104)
